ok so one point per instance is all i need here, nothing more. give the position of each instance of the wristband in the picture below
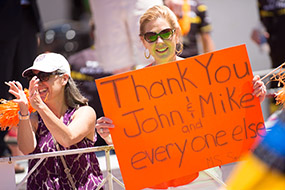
(23, 117)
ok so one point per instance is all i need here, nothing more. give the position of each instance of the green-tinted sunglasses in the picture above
(165, 34)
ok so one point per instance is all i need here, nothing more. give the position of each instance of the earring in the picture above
(147, 57)
(178, 52)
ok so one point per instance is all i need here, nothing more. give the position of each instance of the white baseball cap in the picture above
(49, 62)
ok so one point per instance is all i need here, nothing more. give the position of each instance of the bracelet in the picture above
(23, 117)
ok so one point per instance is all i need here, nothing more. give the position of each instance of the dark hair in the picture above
(73, 97)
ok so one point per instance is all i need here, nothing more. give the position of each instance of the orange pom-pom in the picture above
(9, 112)
(280, 97)
(279, 77)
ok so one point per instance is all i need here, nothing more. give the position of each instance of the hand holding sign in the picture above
(259, 88)
(184, 116)
(102, 125)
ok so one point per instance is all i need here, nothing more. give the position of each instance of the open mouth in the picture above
(162, 50)
(43, 91)
(44, 94)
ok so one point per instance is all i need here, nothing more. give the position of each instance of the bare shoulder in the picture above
(85, 111)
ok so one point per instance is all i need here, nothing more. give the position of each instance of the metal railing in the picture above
(109, 177)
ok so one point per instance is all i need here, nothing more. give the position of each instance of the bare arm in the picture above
(208, 43)
(26, 131)
(82, 125)
(26, 134)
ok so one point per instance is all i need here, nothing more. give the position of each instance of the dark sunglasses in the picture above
(43, 76)
(165, 34)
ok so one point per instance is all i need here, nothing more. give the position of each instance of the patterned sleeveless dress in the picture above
(84, 168)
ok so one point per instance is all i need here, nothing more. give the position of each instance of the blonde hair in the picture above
(160, 11)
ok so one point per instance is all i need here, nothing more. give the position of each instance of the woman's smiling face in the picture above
(163, 51)
(51, 87)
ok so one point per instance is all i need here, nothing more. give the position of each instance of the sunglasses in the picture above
(165, 34)
(43, 76)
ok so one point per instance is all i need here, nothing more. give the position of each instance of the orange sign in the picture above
(179, 118)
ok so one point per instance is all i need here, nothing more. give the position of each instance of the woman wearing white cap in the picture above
(62, 121)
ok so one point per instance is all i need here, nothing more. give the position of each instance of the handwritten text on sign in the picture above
(175, 119)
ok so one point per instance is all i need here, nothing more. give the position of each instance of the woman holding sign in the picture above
(160, 34)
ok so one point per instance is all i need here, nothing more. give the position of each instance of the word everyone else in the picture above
(188, 147)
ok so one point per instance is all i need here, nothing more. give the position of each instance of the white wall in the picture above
(233, 21)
